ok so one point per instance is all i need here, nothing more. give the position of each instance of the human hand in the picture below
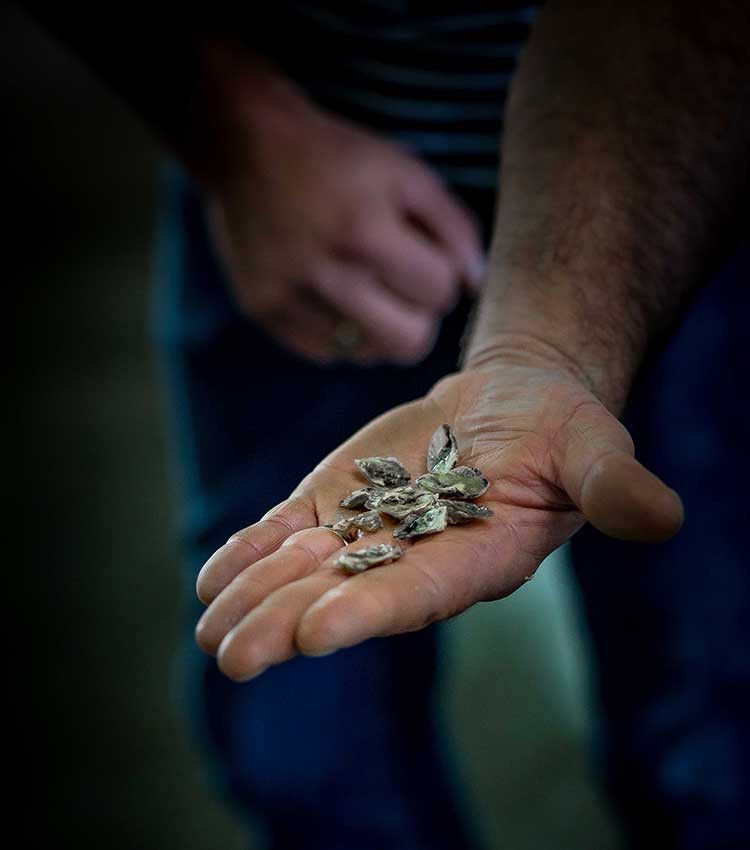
(322, 226)
(555, 457)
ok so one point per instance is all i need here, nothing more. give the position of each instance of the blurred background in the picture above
(96, 571)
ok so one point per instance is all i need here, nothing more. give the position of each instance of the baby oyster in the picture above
(442, 452)
(384, 471)
(358, 498)
(427, 506)
(401, 501)
(425, 522)
(348, 526)
(461, 481)
(458, 512)
(371, 556)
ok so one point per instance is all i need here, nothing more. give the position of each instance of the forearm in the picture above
(624, 160)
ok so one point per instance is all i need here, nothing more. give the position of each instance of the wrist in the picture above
(526, 349)
(549, 327)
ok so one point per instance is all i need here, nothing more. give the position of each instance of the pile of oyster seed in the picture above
(434, 501)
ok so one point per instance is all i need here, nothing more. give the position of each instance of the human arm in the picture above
(624, 158)
(316, 221)
(623, 167)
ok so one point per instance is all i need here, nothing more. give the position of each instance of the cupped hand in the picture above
(555, 458)
(323, 226)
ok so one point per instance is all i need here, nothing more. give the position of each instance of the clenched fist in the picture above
(323, 225)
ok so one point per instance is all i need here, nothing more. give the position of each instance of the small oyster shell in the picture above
(462, 481)
(358, 498)
(442, 452)
(459, 512)
(371, 556)
(401, 501)
(427, 506)
(425, 522)
(370, 521)
(384, 471)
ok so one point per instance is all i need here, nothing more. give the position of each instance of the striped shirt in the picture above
(432, 76)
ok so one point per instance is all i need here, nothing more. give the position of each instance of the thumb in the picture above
(615, 493)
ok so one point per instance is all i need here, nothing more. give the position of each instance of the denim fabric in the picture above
(671, 623)
(345, 751)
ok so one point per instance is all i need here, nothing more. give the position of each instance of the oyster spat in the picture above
(371, 556)
(458, 512)
(430, 521)
(442, 453)
(350, 526)
(461, 481)
(358, 498)
(427, 506)
(384, 471)
(401, 501)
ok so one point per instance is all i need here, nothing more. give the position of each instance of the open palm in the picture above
(555, 457)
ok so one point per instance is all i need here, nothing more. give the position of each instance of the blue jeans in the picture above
(670, 624)
(346, 751)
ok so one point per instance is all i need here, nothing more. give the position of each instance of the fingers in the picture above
(253, 543)
(616, 493)
(266, 635)
(422, 274)
(298, 556)
(297, 599)
(307, 326)
(449, 222)
(399, 333)
(294, 601)
(436, 579)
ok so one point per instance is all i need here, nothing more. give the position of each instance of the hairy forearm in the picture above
(624, 161)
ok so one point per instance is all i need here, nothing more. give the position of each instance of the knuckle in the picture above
(315, 544)
(419, 179)
(245, 541)
(280, 519)
(446, 290)
(356, 232)
(415, 346)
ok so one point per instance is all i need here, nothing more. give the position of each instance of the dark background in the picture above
(92, 571)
